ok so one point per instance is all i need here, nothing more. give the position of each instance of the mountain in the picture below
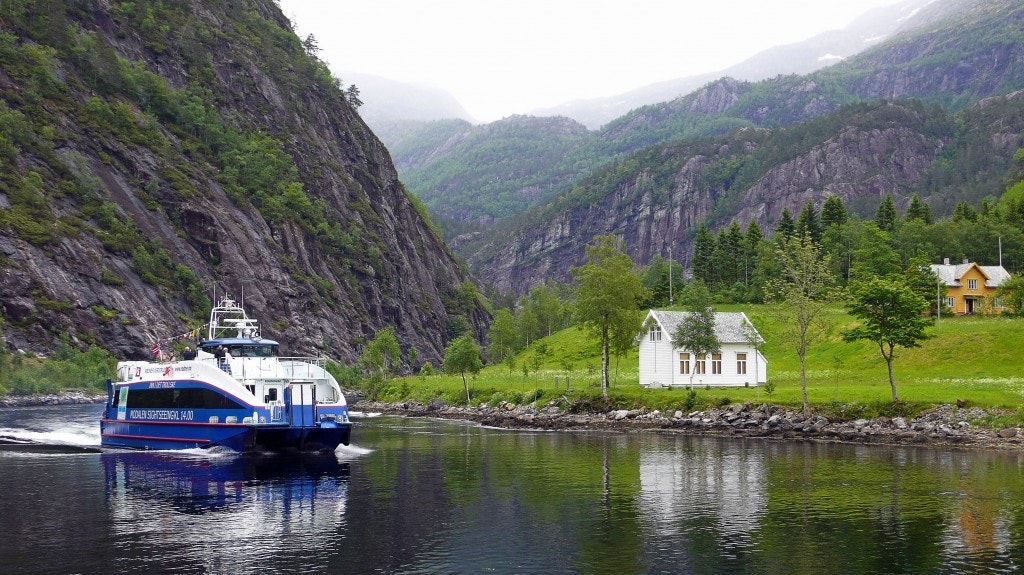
(155, 154)
(657, 198)
(715, 154)
(934, 40)
(803, 57)
(392, 108)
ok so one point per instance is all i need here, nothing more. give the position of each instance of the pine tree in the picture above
(786, 227)
(887, 216)
(918, 210)
(808, 224)
(751, 243)
(833, 213)
(964, 212)
(703, 254)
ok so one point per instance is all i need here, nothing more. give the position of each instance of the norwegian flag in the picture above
(155, 349)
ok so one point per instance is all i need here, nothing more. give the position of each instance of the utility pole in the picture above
(670, 276)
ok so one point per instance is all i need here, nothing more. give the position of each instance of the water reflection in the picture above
(250, 505)
(426, 496)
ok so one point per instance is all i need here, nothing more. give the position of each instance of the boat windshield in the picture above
(244, 350)
(252, 350)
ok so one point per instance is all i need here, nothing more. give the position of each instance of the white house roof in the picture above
(730, 327)
(950, 274)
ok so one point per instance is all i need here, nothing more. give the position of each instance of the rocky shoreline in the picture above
(62, 398)
(944, 426)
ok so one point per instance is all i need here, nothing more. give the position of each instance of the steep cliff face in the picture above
(174, 151)
(658, 199)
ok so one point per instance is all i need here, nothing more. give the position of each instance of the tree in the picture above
(786, 227)
(1011, 292)
(891, 315)
(704, 254)
(546, 306)
(887, 216)
(919, 210)
(382, 354)
(874, 255)
(503, 336)
(696, 332)
(608, 291)
(809, 223)
(834, 212)
(801, 295)
(462, 355)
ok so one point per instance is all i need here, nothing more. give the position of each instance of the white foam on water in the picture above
(350, 452)
(76, 435)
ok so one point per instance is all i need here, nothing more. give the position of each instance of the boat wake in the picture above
(71, 440)
(350, 452)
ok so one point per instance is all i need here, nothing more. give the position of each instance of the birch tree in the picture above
(800, 296)
(607, 295)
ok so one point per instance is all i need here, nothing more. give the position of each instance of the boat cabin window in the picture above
(180, 398)
(246, 350)
(271, 395)
(252, 350)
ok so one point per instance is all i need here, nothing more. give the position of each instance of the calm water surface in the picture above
(423, 496)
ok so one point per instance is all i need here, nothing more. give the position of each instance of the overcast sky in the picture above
(502, 57)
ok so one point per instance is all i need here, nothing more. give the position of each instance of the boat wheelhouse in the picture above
(237, 392)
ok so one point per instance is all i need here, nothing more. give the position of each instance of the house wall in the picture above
(659, 366)
(962, 293)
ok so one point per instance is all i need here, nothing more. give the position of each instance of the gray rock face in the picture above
(395, 272)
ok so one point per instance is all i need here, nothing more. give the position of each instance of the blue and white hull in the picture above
(236, 393)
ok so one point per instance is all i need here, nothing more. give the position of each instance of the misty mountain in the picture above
(393, 108)
(960, 52)
(799, 58)
(921, 112)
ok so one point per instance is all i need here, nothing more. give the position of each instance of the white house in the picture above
(739, 363)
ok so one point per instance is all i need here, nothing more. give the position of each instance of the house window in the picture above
(741, 364)
(950, 302)
(699, 366)
(972, 284)
(684, 363)
(656, 333)
(716, 364)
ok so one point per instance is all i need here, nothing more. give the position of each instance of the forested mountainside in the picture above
(658, 198)
(962, 51)
(154, 152)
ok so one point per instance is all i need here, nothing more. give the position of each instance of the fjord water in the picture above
(427, 496)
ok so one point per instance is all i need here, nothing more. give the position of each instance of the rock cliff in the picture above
(172, 152)
(656, 200)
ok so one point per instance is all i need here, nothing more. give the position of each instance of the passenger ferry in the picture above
(236, 393)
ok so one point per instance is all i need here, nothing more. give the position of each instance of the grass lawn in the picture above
(979, 360)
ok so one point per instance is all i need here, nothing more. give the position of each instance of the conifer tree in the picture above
(887, 216)
(808, 224)
(786, 227)
(918, 210)
(704, 254)
(834, 212)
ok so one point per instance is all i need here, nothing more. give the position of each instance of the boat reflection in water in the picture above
(256, 503)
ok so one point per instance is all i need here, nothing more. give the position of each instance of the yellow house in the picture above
(971, 288)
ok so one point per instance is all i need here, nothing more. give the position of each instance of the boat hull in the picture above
(156, 435)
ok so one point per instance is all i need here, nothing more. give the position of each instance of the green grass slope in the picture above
(977, 360)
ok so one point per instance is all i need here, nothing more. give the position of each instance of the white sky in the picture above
(503, 57)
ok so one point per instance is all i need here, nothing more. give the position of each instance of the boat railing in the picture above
(281, 368)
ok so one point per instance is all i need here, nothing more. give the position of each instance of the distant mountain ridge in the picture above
(798, 58)
(964, 56)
